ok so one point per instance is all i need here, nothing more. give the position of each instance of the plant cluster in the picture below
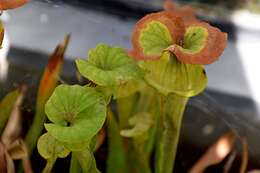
(150, 86)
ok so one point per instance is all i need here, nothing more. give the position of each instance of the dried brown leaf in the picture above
(9, 163)
(3, 167)
(229, 162)
(216, 153)
(13, 126)
(254, 171)
(11, 4)
(2, 33)
(27, 166)
(16, 150)
(244, 161)
(100, 138)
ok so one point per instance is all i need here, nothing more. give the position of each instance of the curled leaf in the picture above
(11, 4)
(141, 124)
(154, 33)
(168, 75)
(49, 147)
(202, 44)
(77, 113)
(109, 66)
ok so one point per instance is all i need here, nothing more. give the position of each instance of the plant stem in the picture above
(74, 164)
(173, 107)
(36, 128)
(125, 108)
(49, 165)
(84, 159)
(116, 162)
(87, 161)
(141, 157)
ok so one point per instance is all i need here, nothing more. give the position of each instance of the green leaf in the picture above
(121, 91)
(6, 107)
(78, 113)
(141, 123)
(76, 146)
(127, 89)
(194, 39)
(109, 66)
(168, 75)
(49, 147)
(155, 38)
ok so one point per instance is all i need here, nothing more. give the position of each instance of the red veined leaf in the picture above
(173, 23)
(209, 49)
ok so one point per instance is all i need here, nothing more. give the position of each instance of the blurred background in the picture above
(232, 99)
